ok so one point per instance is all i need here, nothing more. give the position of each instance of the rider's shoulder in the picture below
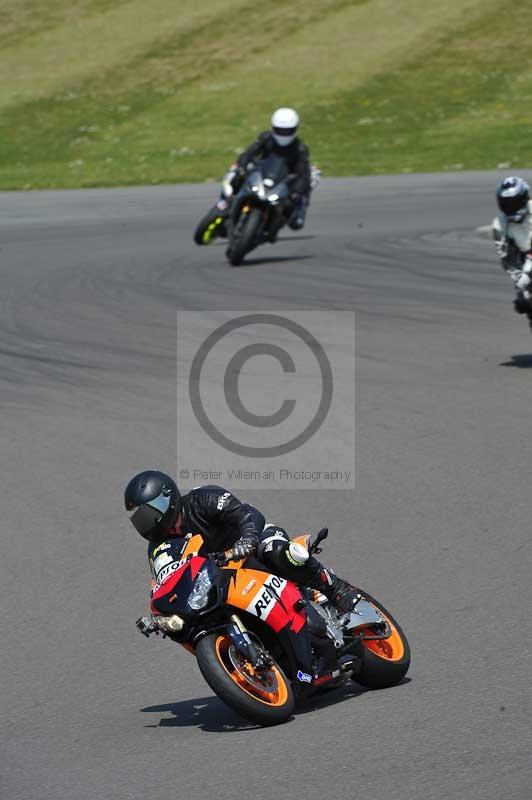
(303, 148)
(210, 497)
(208, 489)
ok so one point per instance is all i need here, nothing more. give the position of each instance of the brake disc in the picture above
(264, 680)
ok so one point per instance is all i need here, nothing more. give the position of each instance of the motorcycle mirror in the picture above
(320, 536)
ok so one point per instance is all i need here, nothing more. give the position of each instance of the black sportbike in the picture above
(257, 212)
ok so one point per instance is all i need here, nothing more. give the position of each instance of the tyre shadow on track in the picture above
(342, 694)
(211, 715)
(523, 361)
(256, 262)
(302, 238)
(207, 713)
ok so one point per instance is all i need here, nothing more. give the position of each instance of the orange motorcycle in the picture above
(264, 643)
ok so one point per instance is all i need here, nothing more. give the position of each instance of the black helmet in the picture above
(153, 503)
(512, 198)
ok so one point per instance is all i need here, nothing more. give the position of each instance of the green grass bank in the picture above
(117, 92)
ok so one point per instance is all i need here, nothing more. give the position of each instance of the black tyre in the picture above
(265, 698)
(384, 662)
(243, 237)
(210, 227)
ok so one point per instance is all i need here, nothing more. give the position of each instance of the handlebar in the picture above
(314, 547)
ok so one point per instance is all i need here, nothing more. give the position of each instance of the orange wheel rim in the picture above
(391, 648)
(277, 696)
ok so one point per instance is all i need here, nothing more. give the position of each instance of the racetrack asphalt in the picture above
(438, 527)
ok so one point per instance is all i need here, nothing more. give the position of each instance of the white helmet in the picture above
(284, 126)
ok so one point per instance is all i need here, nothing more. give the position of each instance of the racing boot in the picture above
(340, 593)
(293, 561)
(520, 305)
(297, 218)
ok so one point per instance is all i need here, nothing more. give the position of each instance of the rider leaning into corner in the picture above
(282, 141)
(512, 234)
(164, 517)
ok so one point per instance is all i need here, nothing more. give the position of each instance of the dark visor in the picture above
(512, 205)
(284, 131)
(146, 517)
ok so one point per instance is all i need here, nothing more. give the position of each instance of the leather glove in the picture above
(245, 546)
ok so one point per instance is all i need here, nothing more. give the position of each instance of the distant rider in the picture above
(281, 140)
(163, 517)
(512, 233)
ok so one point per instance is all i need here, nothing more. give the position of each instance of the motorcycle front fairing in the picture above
(266, 185)
(197, 589)
(280, 605)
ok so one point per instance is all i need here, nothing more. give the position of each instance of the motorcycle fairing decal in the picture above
(175, 566)
(191, 565)
(272, 600)
(192, 547)
(264, 602)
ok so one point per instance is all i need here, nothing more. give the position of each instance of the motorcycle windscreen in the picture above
(273, 168)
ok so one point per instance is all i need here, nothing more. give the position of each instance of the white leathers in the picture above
(520, 233)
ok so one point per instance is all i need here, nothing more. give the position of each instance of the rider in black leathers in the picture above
(281, 141)
(164, 517)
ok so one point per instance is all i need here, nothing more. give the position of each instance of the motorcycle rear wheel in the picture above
(385, 662)
(265, 698)
(242, 238)
(209, 227)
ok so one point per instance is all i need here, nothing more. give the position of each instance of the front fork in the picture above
(245, 645)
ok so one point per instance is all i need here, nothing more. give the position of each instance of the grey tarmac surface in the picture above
(438, 527)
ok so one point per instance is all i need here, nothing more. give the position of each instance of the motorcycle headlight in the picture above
(259, 189)
(273, 198)
(199, 597)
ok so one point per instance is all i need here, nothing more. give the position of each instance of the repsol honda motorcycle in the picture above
(263, 643)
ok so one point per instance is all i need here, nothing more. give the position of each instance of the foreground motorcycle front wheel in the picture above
(264, 697)
(243, 236)
(384, 662)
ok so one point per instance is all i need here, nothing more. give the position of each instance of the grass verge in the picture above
(382, 87)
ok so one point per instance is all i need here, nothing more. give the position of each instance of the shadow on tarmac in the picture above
(211, 715)
(207, 713)
(523, 361)
(255, 262)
